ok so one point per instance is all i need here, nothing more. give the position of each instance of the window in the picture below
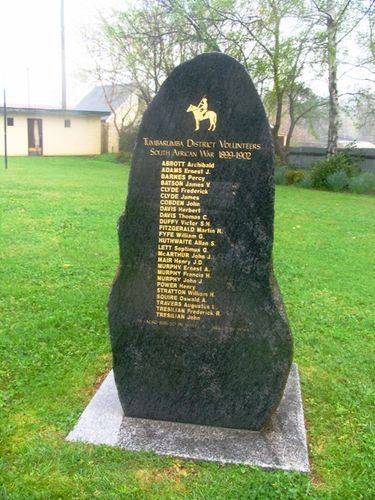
(10, 122)
(67, 123)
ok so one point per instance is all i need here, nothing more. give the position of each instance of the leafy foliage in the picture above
(363, 183)
(143, 43)
(338, 181)
(280, 175)
(340, 162)
(128, 138)
(306, 181)
(337, 173)
(293, 176)
(123, 157)
(287, 176)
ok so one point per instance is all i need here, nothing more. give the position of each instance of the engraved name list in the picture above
(186, 237)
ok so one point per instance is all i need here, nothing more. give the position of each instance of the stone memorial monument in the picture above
(198, 329)
(197, 325)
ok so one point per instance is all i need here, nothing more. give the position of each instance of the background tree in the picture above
(143, 44)
(363, 100)
(273, 39)
(337, 19)
(303, 104)
(256, 35)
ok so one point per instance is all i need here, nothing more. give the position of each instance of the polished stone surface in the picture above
(209, 343)
(281, 446)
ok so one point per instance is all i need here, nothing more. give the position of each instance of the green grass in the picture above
(58, 256)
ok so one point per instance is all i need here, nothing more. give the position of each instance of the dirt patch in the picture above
(175, 473)
(99, 380)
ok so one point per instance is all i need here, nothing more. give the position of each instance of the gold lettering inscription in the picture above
(185, 239)
(195, 149)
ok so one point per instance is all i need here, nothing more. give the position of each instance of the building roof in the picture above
(50, 111)
(96, 99)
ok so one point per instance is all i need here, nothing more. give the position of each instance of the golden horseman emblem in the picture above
(201, 112)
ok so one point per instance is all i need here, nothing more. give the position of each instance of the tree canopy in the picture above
(278, 41)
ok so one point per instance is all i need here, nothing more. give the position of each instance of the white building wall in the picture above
(83, 137)
(17, 139)
(126, 114)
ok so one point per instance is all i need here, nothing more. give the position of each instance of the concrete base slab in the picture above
(281, 446)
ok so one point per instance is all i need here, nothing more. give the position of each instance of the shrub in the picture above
(363, 183)
(127, 140)
(285, 175)
(340, 162)
(306, 181)
(293, 176)
(278, 161)
(280, 175)
(338, 181)
(123, 157)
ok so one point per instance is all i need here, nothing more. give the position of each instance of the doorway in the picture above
(35, 136)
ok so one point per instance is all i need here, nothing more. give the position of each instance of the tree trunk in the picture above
(288, 140)
(292, 124)
(332, 81)
(279, 148)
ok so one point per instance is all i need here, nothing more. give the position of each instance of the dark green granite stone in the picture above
(230, 370)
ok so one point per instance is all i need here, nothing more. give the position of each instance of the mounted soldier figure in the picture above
(201, 112)
(203, 106)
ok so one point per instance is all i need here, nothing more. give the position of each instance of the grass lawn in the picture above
(58, 248)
